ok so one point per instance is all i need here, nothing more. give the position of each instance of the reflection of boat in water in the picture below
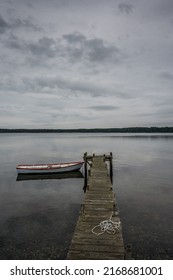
(65, 175)
(49, 168)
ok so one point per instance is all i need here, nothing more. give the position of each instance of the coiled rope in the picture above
(108, 226)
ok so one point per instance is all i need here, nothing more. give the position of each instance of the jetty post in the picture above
(85, 171)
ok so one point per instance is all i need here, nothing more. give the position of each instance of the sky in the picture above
(86, 63)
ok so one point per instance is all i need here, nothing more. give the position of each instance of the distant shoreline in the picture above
(92, 130)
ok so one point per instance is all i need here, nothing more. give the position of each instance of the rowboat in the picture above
(49, 168)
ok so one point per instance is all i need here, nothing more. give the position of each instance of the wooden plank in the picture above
(79, 239)
(103, 238)
(95, 248)
(77, 255)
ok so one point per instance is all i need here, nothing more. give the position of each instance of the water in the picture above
(38, 217)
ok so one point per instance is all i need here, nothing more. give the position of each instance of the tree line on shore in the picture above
(92, 130)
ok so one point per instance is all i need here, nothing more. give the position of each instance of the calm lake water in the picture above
(38, 217)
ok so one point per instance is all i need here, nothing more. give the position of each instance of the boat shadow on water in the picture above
(65, 175)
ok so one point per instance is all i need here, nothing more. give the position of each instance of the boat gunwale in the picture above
(50, 166)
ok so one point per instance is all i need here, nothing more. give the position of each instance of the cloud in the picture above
(166, 75)
(74, 38)
(62, 87)
(17, 23)
(104, 108)
(13, 42)
(100, 52)
(86, 57)
(3, 25)
(74, 48)
(125, 8)
(93, 50)
(44, 46)
(76, 87)
(29, 5)
(26, 24)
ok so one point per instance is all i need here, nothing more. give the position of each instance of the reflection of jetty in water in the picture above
(67, 175)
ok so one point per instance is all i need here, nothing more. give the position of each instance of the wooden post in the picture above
(85, 171)
(111, 167)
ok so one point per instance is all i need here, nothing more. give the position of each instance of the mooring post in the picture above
(85, 171)
(111, 167)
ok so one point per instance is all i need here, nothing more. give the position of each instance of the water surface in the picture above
(38, 217)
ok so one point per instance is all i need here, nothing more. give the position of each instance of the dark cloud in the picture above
(62, 87)
(166, 75)
(25, 23)
(74, 38)
(91, 49)
(29, 5)
(40, 84)
(13, 42)
(104, 107)
(125, 7)
(3, 25)
(44, 46)
(17, 23)
(75, 47)
(100, 52)
(70, 87)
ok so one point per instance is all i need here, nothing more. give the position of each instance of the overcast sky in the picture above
(86, 63)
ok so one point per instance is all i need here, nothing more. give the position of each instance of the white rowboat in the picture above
(49, 168)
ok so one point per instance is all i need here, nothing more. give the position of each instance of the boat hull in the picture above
(49, 168)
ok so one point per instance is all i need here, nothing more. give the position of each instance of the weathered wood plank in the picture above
(95, 248)
(77, 255)
(84, 239)
(103, 237)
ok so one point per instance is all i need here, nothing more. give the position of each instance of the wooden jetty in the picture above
(98, 233)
